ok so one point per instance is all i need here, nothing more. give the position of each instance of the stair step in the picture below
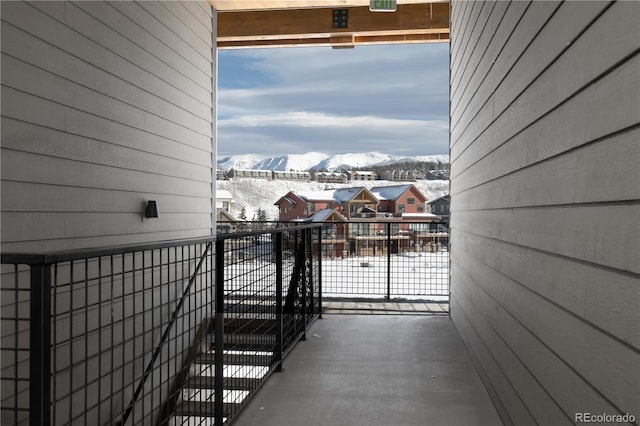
(249, 307)
(208, 395)
(248, 338)
(229, 383)
(193, 421)
(238, 358)
(250, 326)
(247, 342)
(203, 409)
(230, 370)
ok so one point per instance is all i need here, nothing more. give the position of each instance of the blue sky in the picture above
(386, 98)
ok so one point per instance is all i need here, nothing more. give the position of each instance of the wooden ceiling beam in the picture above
(236, 5)
(290, 27)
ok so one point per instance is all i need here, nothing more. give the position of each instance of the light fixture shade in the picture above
(151, 210)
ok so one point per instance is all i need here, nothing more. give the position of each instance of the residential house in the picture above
(361, 175)
(224, 199)
(390, 174)
(255, 174)
(334, 231)
(400, 199)
(225, 222)
(357, 202)
(437, 175)
(291, 175)
(440, 206)
(329, 177)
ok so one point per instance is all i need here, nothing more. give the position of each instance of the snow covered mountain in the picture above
(291, 162)
(244, 161)
(318, 161)
(347, 161)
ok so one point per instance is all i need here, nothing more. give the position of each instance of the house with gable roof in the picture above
(334, 230)
(224, 200)
(356, 202)
(400, 199)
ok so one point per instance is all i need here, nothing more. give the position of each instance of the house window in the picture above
(420, 208)
(225, 206)
(313, 207)
(411, 200)
(401, 208)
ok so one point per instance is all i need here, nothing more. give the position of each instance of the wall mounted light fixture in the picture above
(340, 18)
(151, 210)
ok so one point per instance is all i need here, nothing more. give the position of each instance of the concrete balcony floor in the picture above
(375, 370)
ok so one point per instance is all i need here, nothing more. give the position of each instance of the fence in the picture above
(132, 335)
(386, 259)
(379, 258)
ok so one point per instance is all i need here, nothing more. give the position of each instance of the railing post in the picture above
(320, 273)
(219, 335)
(312, 297)
(303, 283)
(279, 313)
(40, 346)
(388, 260)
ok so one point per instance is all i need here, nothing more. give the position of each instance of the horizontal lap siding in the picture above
(105, 105)
(545, 184)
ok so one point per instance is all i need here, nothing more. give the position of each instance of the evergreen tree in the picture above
(262, 215)
(243, 213)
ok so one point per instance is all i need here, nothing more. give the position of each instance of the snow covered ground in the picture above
(254, 194)
(413, 275)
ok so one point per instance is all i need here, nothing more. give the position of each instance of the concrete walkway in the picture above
(375, 370)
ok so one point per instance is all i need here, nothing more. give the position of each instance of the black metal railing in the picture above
(117, 335)
(386, 259)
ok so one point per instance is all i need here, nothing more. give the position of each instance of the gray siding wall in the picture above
(545, 206)
(105, 105)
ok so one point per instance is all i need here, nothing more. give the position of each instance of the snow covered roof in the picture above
(326, 195)
(392, 192)
(253, 170)
(329, 174)
(346, 194)
(223, 215)
(438, 199)
(223, 194)
(420, 215)
(340, 195)
(324, 214)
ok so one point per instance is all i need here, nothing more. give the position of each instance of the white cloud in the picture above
(307, 119)
(388, 98)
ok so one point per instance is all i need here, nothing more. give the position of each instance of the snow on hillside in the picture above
(254, 194)
(244, 161)
(291, 161)
(318, 161)
(340, 161)
(424, 158)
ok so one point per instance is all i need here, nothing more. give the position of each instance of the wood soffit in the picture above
(289, 23)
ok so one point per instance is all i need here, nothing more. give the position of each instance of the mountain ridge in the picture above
(320, 161)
